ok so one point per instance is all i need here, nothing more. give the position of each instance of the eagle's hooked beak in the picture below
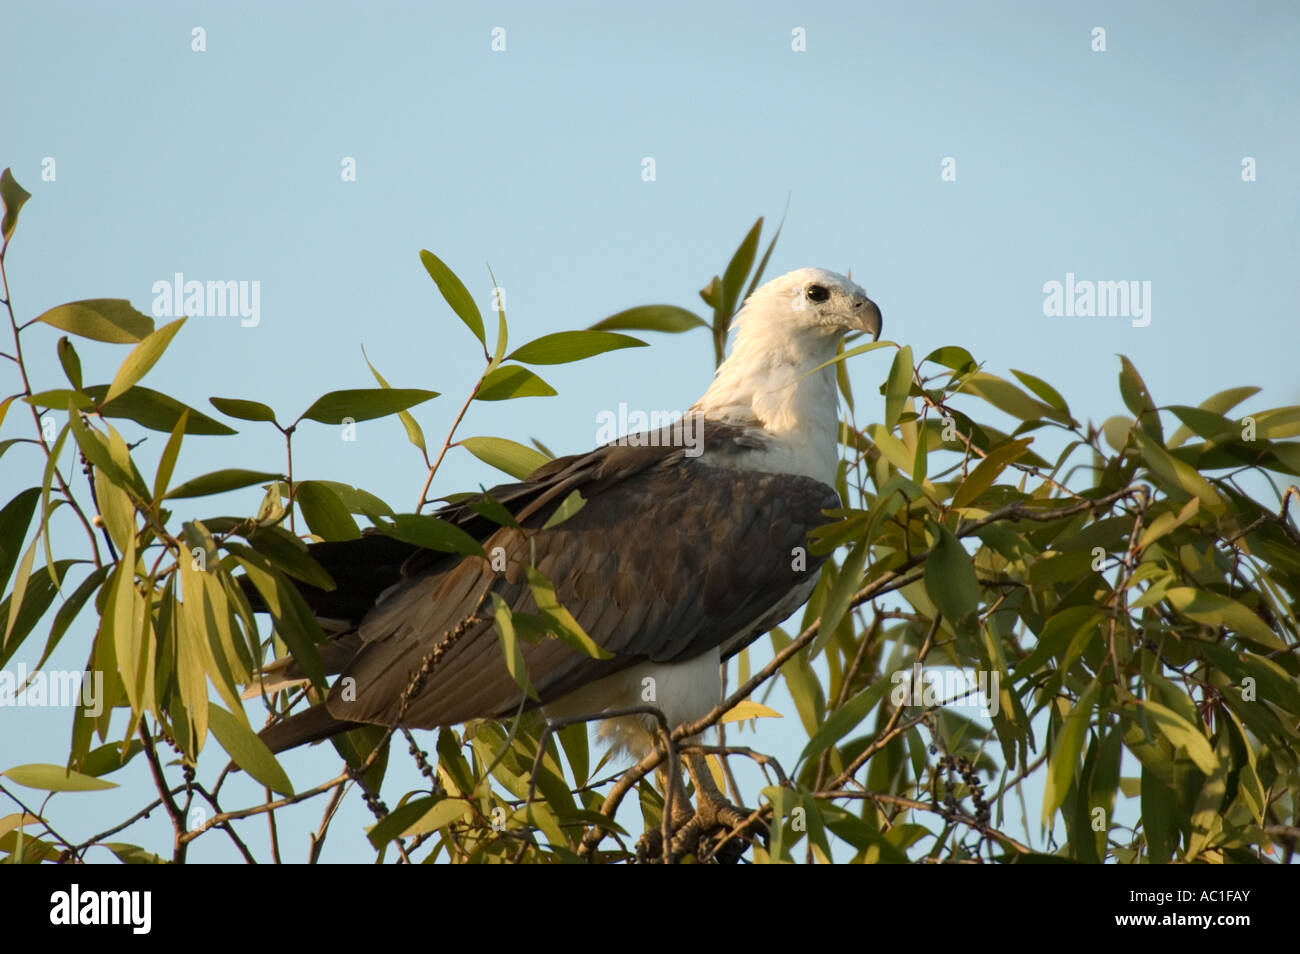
(866, 315)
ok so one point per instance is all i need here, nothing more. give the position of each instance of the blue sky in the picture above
(225, 164)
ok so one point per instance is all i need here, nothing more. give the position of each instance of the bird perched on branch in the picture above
(690, 542)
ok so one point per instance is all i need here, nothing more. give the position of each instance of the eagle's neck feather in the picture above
(769, 382)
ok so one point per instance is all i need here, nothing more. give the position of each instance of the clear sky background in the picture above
(225, 164)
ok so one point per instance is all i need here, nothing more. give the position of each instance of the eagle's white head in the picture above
(808, 303)
(774, 380)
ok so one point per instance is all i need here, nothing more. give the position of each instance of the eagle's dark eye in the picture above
(818, 293)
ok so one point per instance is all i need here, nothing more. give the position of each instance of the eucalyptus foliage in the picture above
(1130, 590)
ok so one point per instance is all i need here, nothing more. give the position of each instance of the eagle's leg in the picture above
(649, 847)
(713, 812)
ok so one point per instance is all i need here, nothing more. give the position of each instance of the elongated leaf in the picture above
(1043, 390)
(364, 404)
(898, 386)
(561, 622)
(70, 362)
(668, 318)
(55, 778)
(433, 533)
(987, 471)
(1008, 398)
(243, 410)
(1176, 472)
(14, 197)
(167, 463)
(565, 346)
(950, 576)
(1065, 756)
(248, 751)
(1056, 635)
(142, 357)
(219, 481)
(845, 719)
(155, 410)
(413, 431)
(60, 398)
(567, 508)
(456, 295)
(101, 319)
(15, 519)
(324, 512)
(515, 459)
(356, 500)
(733, 279)
(510, 647)
(512, 381)
(1182, 734)
(1216, 610)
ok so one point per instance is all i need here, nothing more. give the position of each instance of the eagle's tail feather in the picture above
(310, 725)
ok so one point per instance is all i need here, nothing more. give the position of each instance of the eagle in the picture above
(683, 553)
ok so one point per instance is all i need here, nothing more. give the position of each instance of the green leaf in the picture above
(142, 357)
(155, 410)
(1215, 610)
(515, 459)
(567, 508)
(1057, 633)
(1138, 399)
(950, 576)
(248, 751)
(14, 197)
(398, 820)
(364, 404)
(561, 622)
(455, 293)
(357, 501)
(733, 279)
(167, 463)
(1065, 756)
(668, 318)
(432, 533)
(565, 346)
(1043, 390)
(511, 381)
(413, 432)
(289, 555)
(846, 584)
(220, 481)
(898, 386)
(1177, 472)
(958, 359)
(59, 397)
(324, 512)
(510, 647)
(100, 319)
(133, 854)
(243, 410)
(845, 719)
(1009, 399)
(1182, 734)
(15, 519)
(987, 471)
(70, 362)
(55, 778)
